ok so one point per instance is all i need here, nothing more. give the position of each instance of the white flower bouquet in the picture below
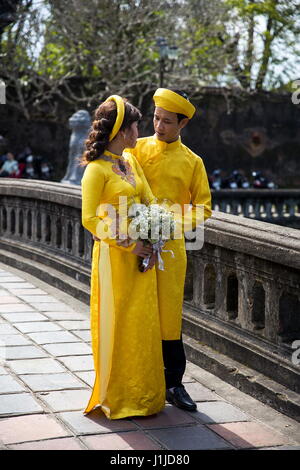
(153, 225)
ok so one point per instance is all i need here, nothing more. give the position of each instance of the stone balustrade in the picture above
(242, 294)
(278, 206)
(41, 221)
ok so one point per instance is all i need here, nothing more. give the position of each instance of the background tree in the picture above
(8, 9)
(242, 42)
(78, 52)
(66, 54)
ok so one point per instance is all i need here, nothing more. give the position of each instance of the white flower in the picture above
(151, 223)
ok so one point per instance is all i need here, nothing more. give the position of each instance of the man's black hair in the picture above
(182, 93)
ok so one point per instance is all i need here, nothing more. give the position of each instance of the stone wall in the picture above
(258, 132)
(46, 138)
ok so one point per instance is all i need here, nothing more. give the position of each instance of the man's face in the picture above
(166, 125)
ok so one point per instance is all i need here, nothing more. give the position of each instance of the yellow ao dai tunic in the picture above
(177, 175)
(126, 336)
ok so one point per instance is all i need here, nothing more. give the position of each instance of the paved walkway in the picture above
(46, 371)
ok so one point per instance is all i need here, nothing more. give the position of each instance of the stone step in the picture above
(48, 274)
(243, 378)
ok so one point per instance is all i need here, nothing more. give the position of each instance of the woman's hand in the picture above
(142, 250)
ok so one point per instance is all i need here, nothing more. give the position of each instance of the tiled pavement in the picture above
(46, 371)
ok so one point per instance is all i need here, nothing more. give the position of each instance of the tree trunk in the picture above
(250, 51)
(266, 55)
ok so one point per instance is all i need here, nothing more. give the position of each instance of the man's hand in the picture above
(142, 250)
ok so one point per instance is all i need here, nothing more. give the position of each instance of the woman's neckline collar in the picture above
(110, 154)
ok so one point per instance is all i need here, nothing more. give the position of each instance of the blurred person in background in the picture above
(30, 170)
(10, 166)
(46, 170)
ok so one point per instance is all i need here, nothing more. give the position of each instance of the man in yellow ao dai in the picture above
(176, 175)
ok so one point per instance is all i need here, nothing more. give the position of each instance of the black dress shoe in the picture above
(179, 397)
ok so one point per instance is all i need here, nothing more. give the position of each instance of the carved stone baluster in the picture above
(76, 228)
(234, 207)
(58, 229)
(21, 222)
(221, 291)
(272, 294)
(198, 273)
(64, 227)
(25, 232)
(268, 206)
(209, 287)
(291, 208)
(242, 282)
(36, 223)
(43, 226)
(279, 208)
(223, 206)
(53, 230)
(88, 245)
(17, 211)
(9, 210)
(246, 206)
(70, 234)
(66, 235)
(81, 241)
(257, 210)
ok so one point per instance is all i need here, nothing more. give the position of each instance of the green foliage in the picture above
(79, 52)
(241, 40)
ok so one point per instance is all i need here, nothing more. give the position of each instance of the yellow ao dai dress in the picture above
(125, 327)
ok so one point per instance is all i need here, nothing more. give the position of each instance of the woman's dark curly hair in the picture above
(105, 117)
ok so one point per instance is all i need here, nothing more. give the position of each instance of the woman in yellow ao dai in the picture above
(125, 328)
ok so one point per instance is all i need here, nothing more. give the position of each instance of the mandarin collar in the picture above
(167, 146)
(113, 155)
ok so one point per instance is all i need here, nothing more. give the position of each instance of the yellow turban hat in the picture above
(173, 102)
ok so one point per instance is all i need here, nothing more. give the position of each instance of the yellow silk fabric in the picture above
(173, 102)
(125, 327)
(178, 175)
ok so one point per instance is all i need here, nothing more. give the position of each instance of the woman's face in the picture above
(131, 134)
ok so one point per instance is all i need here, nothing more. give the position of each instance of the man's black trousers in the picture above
(174, 362)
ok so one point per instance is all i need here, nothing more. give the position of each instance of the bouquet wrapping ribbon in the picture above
(158, 248)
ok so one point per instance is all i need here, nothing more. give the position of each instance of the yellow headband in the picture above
(120, 114)
(171, 101)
